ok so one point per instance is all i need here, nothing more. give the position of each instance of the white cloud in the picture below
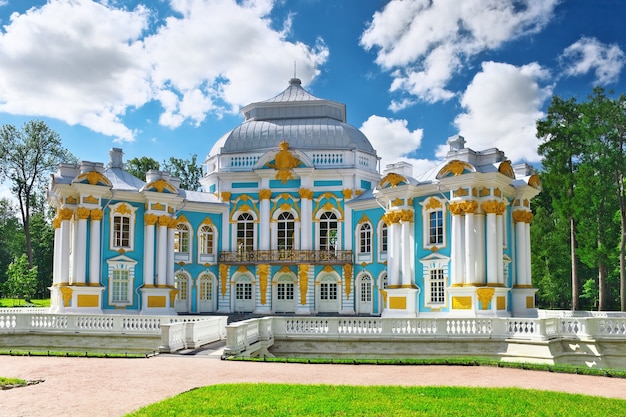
(86, 62)
(393, 141)
(502, 105)
(427, 43)
(589, 54)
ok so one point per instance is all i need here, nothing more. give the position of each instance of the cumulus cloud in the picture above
(502, 105)
(426, 43)
(589, 54)
(104, 60)
(393, 141)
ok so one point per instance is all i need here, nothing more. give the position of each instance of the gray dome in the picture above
(303, 120)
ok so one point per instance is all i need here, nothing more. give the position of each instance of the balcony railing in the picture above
(291, 256)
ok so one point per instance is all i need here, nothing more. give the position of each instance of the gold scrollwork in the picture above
(305, 193)
(66, 213)
(265, 194)
(493, 206)
(96, 214)
(433, 204)
(150, 219)
(263, 271)
(347, 274)
(303, 274)
(82, 213)
(224, 277)
(522, 216)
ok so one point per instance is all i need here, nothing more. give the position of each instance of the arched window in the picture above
(245, 232)
(328, 231)
(206, 287)
(181, 238)
(383, 238)
(180, 281)
(366, 288)
(365, 238)
(286, 230)
(206, 243)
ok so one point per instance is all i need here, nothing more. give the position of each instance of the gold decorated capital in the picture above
(226, 196)
(406, 216)
(305, 193)
(223, 277)
(391, 218)
(82, 213)
(493, 207)
(347, 274)
(66, 213)
(265, 194)
(347, 193)
(96, 214)
(463, 207)
(522, 216)
(263, 271)
(150, 219)
(173, 223)
(456, 208)
(56, 222)
(164, 221)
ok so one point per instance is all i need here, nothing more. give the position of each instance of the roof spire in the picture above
(295, 80)
(294, 69)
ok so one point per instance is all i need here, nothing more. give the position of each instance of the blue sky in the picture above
(166, 78)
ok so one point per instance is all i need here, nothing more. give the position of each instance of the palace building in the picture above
(295, 217)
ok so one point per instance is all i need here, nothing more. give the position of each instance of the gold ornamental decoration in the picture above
(82, 213)
(305, 193)
(347, 274)
(263, 271)
(284, 163)
(96, 214)
(303, 274)
(223, 278)
(150, 219)
(265, 194)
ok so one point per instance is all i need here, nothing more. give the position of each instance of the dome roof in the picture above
(297, 117)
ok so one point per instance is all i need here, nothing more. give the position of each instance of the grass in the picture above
(327, 400)
(76, 354)
(459, 361)
(8, 382)
(17, 302)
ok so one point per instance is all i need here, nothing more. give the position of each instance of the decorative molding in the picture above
(265, 194)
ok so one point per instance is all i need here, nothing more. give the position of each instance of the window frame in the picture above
(126, 265)
(383, 240)
(251, 222)
(434, 206)
(435, 262)
(124, 212)
(324, 233)
(179, 233)
(207, 237)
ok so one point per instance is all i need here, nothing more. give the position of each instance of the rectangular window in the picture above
(284, 291)
(436, 228)
(328, 291)
(437, 286)
(243, 291)
(119, 286)
(121, 232)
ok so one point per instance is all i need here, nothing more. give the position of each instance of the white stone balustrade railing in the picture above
(177, 332)
(249, 336)
(241, 335)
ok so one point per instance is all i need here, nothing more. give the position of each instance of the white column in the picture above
(80, 249)
(65, 250)
(170, 254)
(527, 258)
(406, 246)
(56, 266)
(457, 252)
(492, 253)
(94, 247)
(148, 250)
(500, 247)
(264, 223)
(347, 227)
(520, 250)
(394, 255)
(74, 253)
(162, 251)
(470, 249)
(479, 260)
(306, 222)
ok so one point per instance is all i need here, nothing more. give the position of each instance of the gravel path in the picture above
(113, 387)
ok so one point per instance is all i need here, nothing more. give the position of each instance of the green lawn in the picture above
(327, 400)
(14, 302)
(4, 382)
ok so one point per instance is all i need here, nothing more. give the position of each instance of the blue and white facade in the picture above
(295, 217)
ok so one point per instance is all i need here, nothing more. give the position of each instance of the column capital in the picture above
(265, 194)
(406, 216)
(226, 196)
(83, 213)
(463, 207)
(164, 221)
(96, 214)
(56, 222)
(347, 193)
(305, 193)
(66, 213)
(150, 219)
(522, 216)
(493, 207)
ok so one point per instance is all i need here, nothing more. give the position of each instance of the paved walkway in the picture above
(113, 387)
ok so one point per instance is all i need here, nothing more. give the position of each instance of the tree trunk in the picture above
(575, 290)
(622, 264)
(602, 287)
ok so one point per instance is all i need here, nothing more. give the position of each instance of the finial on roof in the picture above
(295, 81)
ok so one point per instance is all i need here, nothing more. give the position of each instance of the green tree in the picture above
(187, 170)
(43, 252)
(11, 236)
(139, 167)
(28, 156)
(562, 143)
(22, 280)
